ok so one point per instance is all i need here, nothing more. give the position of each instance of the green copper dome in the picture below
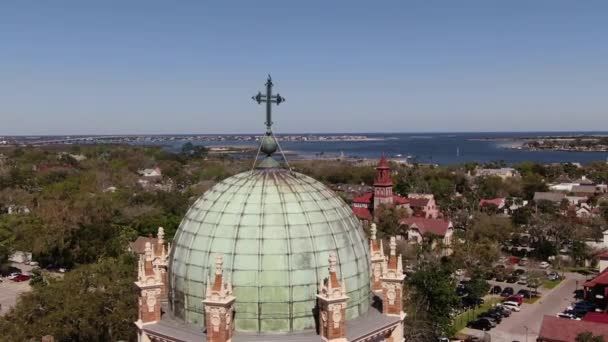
(275, 229)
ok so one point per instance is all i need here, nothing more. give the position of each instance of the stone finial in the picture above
(393, 246)
(148, 251)
(373, 231)
(219, 262)
(333, 261)
(160, 235)
(141, 272)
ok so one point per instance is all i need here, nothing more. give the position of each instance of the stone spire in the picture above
(392, 287)
(376, 258)
(332, 300)
(149, 282)
(383, 184)
(219, 305)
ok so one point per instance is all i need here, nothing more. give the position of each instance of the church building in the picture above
(271, 255)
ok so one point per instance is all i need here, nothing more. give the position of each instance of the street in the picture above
(525, 325)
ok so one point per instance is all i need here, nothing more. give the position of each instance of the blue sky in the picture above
(105, 67)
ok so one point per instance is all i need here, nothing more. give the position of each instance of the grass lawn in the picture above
(460, 321)
(531, 300)
(549, 284)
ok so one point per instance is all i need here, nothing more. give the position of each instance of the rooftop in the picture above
(559, 329)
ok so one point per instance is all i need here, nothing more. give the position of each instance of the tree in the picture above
(388, 220)
(432, 287)
(92, 303)
(477, 287)
(589, 337)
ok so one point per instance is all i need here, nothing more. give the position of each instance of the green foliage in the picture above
(477, 287)
(589, 337)
(387, 220)
(92, 303)
(432, 285)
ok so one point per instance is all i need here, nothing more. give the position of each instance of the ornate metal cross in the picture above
(269, 99)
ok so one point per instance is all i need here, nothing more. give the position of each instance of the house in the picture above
(419, 227)
(504, 173)
(150, 173)
(599, 317)
(17, 209)
(596, 289)
(555, 329)
(555, 197)
(584, 190)
(423, 205)
(365, 205)
(498, 202)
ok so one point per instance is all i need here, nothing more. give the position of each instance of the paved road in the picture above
(554, 301)
(10, 290)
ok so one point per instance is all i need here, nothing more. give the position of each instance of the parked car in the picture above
(483, 323)
(21, 277)
(496, 316)
(568, 315)
(511, 305)
(507, 291)
(523, 279)
(553, 276)
(500, 277)
(496, 290)
(512, 279)
(519, 272)
(523, 262)
(6, 270)
(515, 298)
(461, 290)
(544, 264)
(14, 275)
(506, 312)
(468, 302)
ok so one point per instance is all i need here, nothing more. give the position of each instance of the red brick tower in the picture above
(377, 258)
(383, 184)
(149, 283)
(332, 304)
(219, 306)
(392, 288)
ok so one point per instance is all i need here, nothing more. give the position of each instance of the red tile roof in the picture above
(368, 198)
(365, 198)
(598, 317)
(428, 225)
(418, 202)
(139, 246)
(363, 213)
(601, 279)
(603, 255)
(496, 201)
(556, 329)
(400, 200)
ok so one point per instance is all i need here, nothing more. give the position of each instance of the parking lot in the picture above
(526, 323)
(9, 291)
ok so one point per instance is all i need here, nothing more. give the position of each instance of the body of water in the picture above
(439, 148)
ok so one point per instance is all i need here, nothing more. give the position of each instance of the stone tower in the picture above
(376, 251)
(219, 306)
(332, 305)
(392, 288)
(149, 282)
(383, 184)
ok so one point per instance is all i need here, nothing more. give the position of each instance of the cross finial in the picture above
(269, 99)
